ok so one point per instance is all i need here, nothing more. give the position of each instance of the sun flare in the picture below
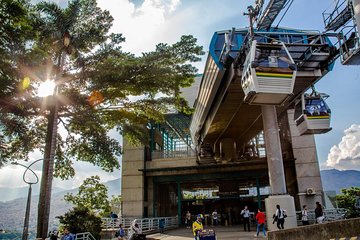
(46, 88)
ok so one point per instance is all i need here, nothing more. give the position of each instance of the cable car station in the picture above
(250, 140)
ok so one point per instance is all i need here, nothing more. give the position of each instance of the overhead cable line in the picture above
(288, 5)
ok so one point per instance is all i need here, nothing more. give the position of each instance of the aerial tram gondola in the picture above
(312, 114)
(269, 73)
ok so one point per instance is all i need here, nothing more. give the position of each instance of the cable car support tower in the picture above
(269, 114)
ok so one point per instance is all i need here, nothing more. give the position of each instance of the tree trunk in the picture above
(47, 174)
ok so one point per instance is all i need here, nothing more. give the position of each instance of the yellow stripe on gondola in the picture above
(278, 75)
(318, 117)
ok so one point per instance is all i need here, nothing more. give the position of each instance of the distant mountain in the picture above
(114, 187)
(335, 180)
(12, 212)
(8, 194)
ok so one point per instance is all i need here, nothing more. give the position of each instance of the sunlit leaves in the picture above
(347, 200)
(92, 195)
(95, 98)
(100, 86)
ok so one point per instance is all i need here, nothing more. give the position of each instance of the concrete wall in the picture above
(132, 191)
(171, 162)
(306, 165)
(331, 230)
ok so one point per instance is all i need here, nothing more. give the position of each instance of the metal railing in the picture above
(349, 42)
(114, 223)
(339, 15)
(84, 236)
(145, 224)
(173, 153)
(329, 214)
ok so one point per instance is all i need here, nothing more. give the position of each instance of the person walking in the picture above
(260, 219)
(280, 215)
(245, 213)
(304, 216)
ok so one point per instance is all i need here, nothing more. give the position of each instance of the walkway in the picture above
(222, 233)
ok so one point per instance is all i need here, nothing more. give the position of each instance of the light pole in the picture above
(27, 211)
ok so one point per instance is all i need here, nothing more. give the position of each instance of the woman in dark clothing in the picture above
(319, 213)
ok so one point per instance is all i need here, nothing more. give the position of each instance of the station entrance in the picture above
(226, 193)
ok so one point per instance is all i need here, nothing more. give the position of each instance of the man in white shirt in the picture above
(245, 213)
(214, 217)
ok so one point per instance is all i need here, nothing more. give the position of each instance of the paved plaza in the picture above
(222, 233)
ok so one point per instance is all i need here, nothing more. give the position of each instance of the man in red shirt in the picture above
(260, 218)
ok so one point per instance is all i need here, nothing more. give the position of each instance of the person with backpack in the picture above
(120, 234)
(280, 215)
(53, 235)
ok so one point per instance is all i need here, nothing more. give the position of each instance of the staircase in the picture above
(84, 236)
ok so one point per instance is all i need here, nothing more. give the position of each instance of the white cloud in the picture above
(84, 170)
(346, 155)
(141, 26)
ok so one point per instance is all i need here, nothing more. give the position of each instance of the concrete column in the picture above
(217, 154)
(132, 188)
(273, 150)
(276, 171)
(306, 165)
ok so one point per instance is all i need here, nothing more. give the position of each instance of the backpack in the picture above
(117, 234)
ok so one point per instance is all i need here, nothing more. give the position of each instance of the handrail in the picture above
(329, 214)
(339, 9)
(84, 236)
(173, 153)
(147, 225)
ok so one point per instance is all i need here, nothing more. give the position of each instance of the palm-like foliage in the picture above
(95, 81)
(96, 77)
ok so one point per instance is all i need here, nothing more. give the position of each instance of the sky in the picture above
(145, 23)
